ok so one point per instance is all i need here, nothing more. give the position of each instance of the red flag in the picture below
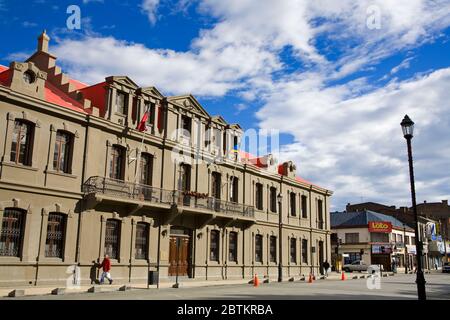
(141, 126)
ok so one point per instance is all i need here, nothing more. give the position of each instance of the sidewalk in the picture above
(47, 290)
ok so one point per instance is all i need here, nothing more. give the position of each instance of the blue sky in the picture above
(335, 77)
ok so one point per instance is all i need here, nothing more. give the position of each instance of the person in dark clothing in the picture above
(326, 266)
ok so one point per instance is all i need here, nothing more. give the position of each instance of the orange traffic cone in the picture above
(310, 280)
(255, 281)
(343, 276)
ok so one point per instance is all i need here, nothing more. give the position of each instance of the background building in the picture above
(434, 220)
(372, 237)
(78, 181)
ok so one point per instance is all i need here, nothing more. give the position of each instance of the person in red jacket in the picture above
(106, 265)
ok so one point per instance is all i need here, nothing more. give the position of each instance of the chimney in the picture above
(43, 42)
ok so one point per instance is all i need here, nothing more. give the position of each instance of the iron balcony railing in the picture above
(122, 189)
(128, 190)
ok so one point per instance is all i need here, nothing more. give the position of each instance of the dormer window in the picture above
(29, 77)
(121, 103)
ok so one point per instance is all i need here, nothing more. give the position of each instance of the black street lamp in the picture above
(280, 240)
(408, 128)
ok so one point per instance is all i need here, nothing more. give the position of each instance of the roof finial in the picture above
(43, 42)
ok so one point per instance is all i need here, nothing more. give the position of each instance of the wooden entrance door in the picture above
(179, 255)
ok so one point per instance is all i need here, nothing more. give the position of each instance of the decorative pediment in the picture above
(152, 91)
(189, 103)
(219, 119)
(123, 80)
(235, 126)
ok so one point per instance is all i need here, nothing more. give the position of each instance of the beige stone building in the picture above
(74, 186)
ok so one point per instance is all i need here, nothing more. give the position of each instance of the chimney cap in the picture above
(43, 41)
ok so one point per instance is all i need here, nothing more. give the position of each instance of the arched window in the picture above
(293, 198)
(11, 234)
(22, 142)
(232, 248)
(259, 248)
(117, 162)
(259, 196)
(62, 155)
(214, 246)
(141, 246)
(146, 169)
(273, 199)
(56, 229)
(273, 249)
(293, 250)
(112, 238)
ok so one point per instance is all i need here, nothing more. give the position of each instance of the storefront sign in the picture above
(411, 249)
(381, 248)
(380, 226)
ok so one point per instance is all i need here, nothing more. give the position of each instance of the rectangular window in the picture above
(259, 248)
(234, 194)
(217, 138)
(11, 234)
(320, 214)
(62, 155)
(150, 108)
(352, 237)
(214, 246)
(352, 257)
(185, 183)
(379, 237)
(146, 169)
(121, 103)
(112, 238)
(273, 199)
(304, 207)
(293, 251)
(259, 196)
(304, 251)
(273, 248)
(117, 163)
(232, 248)
(141, 245)
(407, 240)
(21, 145)
(56, 227)
(186, 125)
(293, 198)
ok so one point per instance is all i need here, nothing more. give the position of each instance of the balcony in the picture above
(101, 188)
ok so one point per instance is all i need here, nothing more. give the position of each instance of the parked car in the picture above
(446, 267)
(361, 266)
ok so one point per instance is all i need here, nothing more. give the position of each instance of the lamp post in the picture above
(280, 240)
(408, 128)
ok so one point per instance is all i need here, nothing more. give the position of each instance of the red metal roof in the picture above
(56, 96)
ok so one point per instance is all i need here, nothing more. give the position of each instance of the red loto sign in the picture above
(380, 226)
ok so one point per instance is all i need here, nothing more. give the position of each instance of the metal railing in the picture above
(128, 190)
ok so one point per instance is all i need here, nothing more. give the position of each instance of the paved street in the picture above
(400, 286)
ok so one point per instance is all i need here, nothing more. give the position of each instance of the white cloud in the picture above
(89, 1)
(405, 64)
(354, 145)
(150, 7)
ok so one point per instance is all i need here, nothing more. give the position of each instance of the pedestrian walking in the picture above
(326, 266)
(106, 266)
